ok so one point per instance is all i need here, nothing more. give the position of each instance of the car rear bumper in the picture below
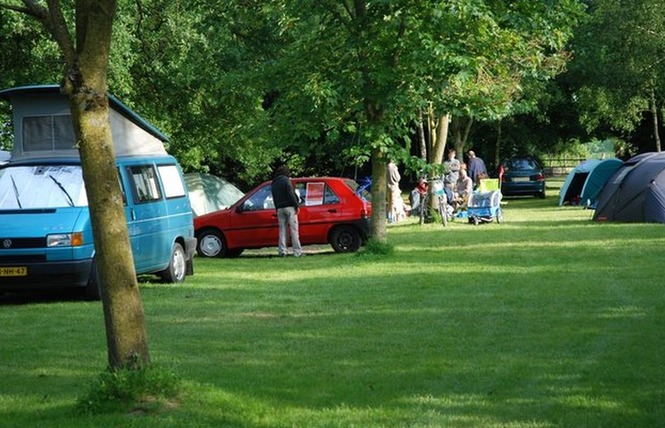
(363, 225)
(522, 188)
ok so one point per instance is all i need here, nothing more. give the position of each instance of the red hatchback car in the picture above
(331, 212)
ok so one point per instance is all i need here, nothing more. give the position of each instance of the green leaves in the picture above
(236, 84)
(618, 62)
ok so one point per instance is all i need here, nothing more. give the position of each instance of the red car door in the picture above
(319, 210)
(255, 223)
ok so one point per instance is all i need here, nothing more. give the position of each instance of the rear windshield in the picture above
(42, 186)
(521, 164)
(362, 190)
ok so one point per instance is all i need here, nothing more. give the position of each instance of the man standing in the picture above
(286, 204)
(475, 167)
(451, 167)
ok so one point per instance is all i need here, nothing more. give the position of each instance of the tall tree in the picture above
(372, 66)
(196, 72)
(86, 60)
(618, 64)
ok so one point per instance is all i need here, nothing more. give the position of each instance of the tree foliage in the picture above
(619, 54)
(240, 83)
(197, 75)
(327, 85)
(372, 67)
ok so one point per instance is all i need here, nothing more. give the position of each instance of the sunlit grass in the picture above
(545, 320)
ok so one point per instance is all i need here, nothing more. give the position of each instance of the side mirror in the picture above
(240, 208)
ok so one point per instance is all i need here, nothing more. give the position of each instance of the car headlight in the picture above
(65, 240)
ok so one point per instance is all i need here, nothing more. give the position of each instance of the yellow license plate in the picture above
(13, 271)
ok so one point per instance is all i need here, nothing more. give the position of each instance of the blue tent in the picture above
(585, 182)
(571, 191)
(597, 178)
(635, 192)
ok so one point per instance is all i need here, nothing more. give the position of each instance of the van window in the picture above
(144, 181)
(48, 133)
(173, 186)
(42, 186)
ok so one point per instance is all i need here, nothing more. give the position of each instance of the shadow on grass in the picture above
(532, 323)
(41, 296)
(498, 332)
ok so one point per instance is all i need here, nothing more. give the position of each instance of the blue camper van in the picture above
(45, 232)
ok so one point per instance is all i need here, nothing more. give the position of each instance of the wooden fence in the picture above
(556, 166)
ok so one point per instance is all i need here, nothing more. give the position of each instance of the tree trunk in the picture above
(421, 139)
(85, 83)
(440, 138)
(123, 313)
(379, 186)
(461, 131)
(654, 116)
(499, 141)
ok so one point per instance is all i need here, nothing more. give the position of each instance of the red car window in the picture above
(315, 193)
(260, 200)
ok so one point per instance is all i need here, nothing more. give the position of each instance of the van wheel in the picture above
(177, 269)
(345, 239)
(92, 291)
(211, 243)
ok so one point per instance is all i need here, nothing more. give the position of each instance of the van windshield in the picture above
(41, 186)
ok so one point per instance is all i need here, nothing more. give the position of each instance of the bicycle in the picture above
(438, 191)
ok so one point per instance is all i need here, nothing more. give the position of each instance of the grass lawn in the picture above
(547, 320)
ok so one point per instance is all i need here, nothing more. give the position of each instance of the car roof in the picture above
(303, 179)
(521, 159)
(320, 178)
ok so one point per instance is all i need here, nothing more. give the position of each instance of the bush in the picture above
(143, 389)
(376, 248)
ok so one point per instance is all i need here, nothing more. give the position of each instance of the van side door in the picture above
(145, 215)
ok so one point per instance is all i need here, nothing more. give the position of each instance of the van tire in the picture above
(345, 239)
(211, 243)
(177, 269)
(92, 291)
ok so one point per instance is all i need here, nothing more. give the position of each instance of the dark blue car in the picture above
(522, 176)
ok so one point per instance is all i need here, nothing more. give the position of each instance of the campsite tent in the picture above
(635, 192)
(585, 182)
(571, 190)
(208, 193)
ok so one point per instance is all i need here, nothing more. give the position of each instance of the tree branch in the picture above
(19, 9)
(53, 21)
(58, 28)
